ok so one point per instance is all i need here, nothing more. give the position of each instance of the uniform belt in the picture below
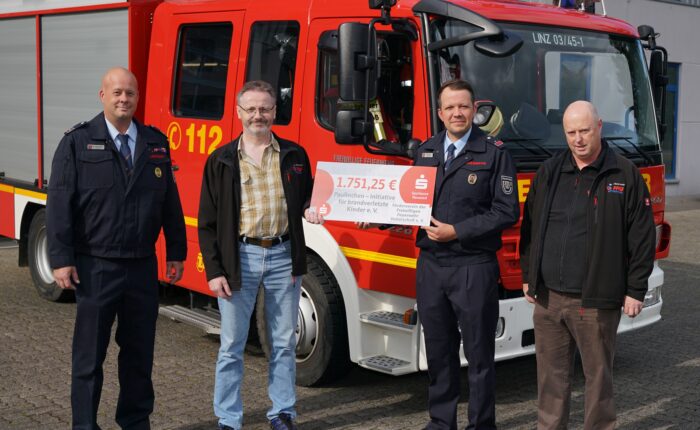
(265, 242)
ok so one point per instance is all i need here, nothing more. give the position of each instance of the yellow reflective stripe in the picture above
(7, 189)
(379, 257)
(33, 194)
(192, 222)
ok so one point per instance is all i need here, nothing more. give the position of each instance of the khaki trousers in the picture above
(561, 325)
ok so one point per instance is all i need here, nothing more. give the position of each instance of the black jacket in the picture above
(477, 195)
(94, 208)
(620, 245)
(220, 208)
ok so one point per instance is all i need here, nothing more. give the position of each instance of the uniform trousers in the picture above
(561, 324)
(459, 303)
(128, 290)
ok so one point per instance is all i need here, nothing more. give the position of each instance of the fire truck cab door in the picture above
(203, 49)
(401, 104)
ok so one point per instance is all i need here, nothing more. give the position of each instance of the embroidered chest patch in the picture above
(615, 188)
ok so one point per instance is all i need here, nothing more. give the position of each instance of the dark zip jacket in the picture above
(620, 244)
(220, 208)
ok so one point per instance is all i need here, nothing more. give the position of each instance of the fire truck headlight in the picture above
(500, 327)
(652, 297)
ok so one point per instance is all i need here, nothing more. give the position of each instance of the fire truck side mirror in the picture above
(656, 71)
(357, 55)
(647, 34)
(350, 126)
(659, 80)
(502, 45)
(381, 4)
(411, 147)
(645, 31)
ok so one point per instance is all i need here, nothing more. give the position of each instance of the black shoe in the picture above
(223, 427)
(282, 422)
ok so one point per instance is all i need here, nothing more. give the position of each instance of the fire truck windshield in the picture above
(554, 67)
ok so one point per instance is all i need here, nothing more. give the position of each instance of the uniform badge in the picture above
(427, 155)
(95, 147)
(507, 185)
(158, 172)
(471, 178)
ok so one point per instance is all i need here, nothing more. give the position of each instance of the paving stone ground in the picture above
(657, 369)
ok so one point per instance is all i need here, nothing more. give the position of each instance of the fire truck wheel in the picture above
(322, 341)
(39, 267)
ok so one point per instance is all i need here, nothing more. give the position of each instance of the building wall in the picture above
(677, 24)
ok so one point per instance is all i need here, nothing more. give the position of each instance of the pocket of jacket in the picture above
(154, 174)
(96, 169)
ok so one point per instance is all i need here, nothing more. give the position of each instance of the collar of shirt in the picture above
(131, 132)
(596, 165)
(459, 143)
(273, 143)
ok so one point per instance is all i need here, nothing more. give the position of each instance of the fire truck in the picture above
(356, 82)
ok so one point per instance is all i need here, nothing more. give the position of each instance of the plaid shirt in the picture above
(263, 206)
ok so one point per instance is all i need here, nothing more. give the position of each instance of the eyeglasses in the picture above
(262, 110)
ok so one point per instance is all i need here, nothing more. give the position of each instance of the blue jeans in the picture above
(272, 268)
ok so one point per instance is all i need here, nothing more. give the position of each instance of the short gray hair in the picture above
(257, 86)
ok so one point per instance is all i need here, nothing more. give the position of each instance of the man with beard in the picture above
(254, 192)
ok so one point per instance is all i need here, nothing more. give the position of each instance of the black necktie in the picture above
(450, 155)
(125, 150)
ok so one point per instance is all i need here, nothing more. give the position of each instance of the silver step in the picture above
(386, 364)
(208, 321)
(386, 319)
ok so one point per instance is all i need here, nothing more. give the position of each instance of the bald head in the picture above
(581, 107)
(119, 95)
(118, 73)
(583, 127)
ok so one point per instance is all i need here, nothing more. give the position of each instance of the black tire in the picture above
(322, 338)
(39, 267)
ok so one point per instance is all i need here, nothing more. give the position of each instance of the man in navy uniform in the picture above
(457, 273)
(111, 190)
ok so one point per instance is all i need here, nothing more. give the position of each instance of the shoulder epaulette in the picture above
(495, 142)
(75, 127)
(157, 130)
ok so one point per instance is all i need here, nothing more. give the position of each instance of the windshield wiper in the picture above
(521, 141)
(639, 150)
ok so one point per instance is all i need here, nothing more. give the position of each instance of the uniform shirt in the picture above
(459, 143)
(564, 252)
(263, 206)
(131, 132)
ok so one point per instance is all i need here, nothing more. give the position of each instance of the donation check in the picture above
(376, 193)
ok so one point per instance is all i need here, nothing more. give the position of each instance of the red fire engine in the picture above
(356, 82)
